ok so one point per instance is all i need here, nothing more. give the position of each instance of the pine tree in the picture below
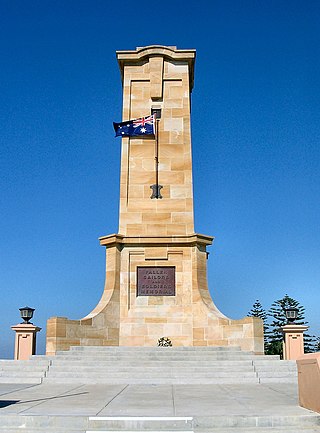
(258, 311)
(311, 343)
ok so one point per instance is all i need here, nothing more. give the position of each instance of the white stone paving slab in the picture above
(150, 400)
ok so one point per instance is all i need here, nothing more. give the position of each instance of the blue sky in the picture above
(255, 137)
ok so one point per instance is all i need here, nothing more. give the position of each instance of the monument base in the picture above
(125, 317)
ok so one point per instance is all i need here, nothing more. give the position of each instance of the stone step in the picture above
(243, 421)
(26, 380)
(150, 381)
(155, 373)
(136, 423)
(288, 429)
(288, 379)
(170, 352)
(157, 353)
(275, 367)
(39, 430)
(154, 349)
(135, 431)
(21, 373)
(146, 349)
(231, 356)
(154, 367)
(266, 361)
(25, 368)
(43, 423)
(277, 374)
(197, 424)
(151, 374)
(139, 355)
(157, 348)
(152, 357)
(144, 364)
(163, 352)
(231, 424)
(135, 359)
(279, 429)
(42, 362)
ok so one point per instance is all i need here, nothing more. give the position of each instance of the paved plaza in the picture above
(151, 400)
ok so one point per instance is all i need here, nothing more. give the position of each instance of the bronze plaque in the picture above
(156, 281)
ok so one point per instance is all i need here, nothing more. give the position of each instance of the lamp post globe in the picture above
(291, 314)
(26, 314)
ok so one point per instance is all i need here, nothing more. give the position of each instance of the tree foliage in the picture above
(258, 311)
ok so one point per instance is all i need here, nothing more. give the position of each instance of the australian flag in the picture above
(137, 127)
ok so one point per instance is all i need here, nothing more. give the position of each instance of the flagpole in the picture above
(156, 187)
(157, 157)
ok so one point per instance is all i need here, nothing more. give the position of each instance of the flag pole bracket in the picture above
(156, 190)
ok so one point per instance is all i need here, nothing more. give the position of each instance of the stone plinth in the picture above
(309, 381)
(156, 233)
(293, 346)
(25, 340)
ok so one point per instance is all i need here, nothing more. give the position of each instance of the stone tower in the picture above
(156, 282)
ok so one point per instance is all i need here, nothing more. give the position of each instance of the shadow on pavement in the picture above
(5, 403)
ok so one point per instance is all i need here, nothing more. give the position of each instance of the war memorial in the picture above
(108, 371)
(156, 236)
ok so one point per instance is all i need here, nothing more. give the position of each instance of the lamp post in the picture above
(26, 332)
(293, 346)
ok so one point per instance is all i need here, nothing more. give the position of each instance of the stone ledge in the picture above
(187, 240)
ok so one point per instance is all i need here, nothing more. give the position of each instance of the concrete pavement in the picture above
(151, 400)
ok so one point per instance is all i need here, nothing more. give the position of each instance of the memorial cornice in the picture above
(187, 240)
(128, 57)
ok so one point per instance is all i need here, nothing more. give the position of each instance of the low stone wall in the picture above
(309, 381)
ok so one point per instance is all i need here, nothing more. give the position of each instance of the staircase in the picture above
(69, 376)
(30, 371)
(167, 365)
(271, 370)
(150, 365)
